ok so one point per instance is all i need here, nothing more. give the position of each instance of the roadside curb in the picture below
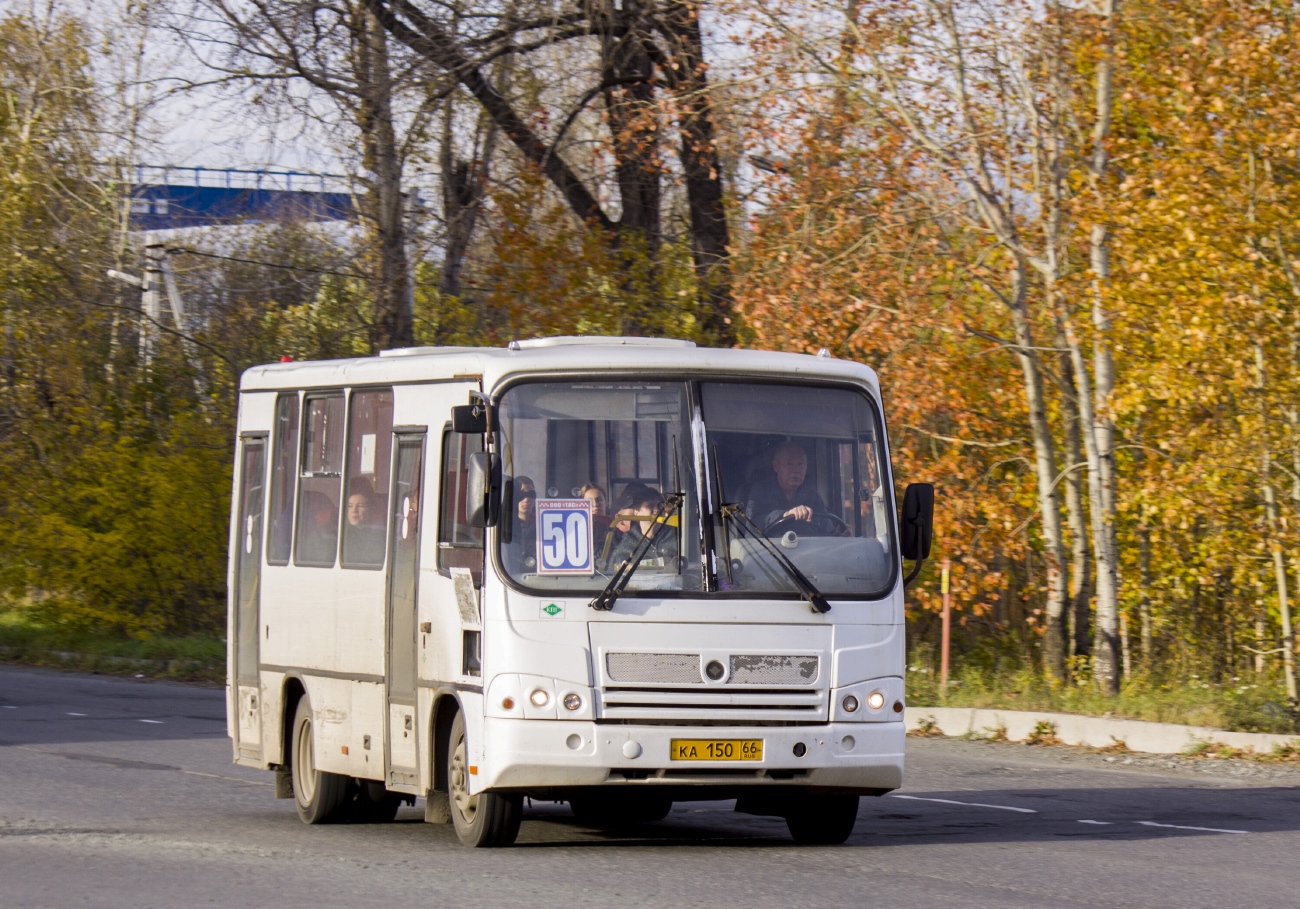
(1093, 731)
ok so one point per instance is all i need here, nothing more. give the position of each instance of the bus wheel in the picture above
(485, 820)
(619, 809)
(319, 796)
(373, 804)
(822, 820)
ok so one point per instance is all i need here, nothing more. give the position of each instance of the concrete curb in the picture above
(1096, 732)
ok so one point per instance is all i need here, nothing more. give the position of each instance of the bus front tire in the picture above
(822, 820)
(319, 796)
(486, 820)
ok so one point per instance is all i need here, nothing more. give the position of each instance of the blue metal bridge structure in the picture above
(165, 198)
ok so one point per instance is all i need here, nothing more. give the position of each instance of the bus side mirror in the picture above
(483, 489)
(471, 419)
(918, 521)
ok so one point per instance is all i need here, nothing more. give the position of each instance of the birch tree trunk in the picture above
(1080, 579)
(1101, 425)
(1044, 458)
(1274, 546)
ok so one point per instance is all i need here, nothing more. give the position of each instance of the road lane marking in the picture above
(1181, 827)
(155, 722)
(233, 779)
(917, 798)
(70, 713)
(132, 766)
(10, 707)
(1099, 823)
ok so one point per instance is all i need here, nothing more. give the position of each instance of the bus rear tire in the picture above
(319, 796)
(487, 820)
(822, 820)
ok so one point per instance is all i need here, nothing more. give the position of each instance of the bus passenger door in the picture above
(406, 519)
(247, 594)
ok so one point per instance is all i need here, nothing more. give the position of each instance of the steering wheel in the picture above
(821, 524)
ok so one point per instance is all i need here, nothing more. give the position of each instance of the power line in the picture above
(302, 268)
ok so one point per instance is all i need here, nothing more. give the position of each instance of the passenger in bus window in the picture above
(603, 530)
(639, 499)
(785, 494)
(363, 540)
(600, 506)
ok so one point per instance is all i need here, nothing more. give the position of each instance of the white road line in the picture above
(1181, 827)
(10, 707)
(70, 713)
(233, 779)
(917, 798)
(156, 722)
(1099, 823)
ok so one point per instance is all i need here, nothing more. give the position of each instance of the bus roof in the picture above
(555, 355)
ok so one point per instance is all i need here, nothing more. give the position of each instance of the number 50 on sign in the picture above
(564, 536)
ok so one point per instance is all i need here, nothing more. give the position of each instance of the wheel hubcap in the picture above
(458, 783)
(304, 765)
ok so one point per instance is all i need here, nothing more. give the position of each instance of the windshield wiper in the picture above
(816, 599)
(604, 600)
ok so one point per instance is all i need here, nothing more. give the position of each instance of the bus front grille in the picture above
(690, 705)
(654, 668)
(640, 668)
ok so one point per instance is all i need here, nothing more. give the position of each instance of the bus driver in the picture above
(785, 494)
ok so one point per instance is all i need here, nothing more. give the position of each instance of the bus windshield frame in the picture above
(805, 460)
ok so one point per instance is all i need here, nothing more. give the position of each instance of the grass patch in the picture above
(1044, 733)
(1246, 704)
(197, 658)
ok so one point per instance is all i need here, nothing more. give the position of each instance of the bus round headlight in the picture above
(540, 697)
(850, 704)
(572, 701)
(875, 700)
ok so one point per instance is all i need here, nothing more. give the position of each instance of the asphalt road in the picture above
(120, 793)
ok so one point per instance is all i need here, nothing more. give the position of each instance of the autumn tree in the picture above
(647, 65)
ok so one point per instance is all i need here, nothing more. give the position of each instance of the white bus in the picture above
(614, 572)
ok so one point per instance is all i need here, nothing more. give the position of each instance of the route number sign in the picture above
(565, 536)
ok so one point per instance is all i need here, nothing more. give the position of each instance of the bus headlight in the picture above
(572, 701)
(876, 700)
(540, 697)
(850, 704)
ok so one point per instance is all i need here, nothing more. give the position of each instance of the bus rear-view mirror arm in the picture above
(483, 489)
(917, 527)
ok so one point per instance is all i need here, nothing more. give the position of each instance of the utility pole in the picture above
(157, 277)
(945, 572)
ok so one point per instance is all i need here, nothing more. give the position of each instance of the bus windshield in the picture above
(694, 483)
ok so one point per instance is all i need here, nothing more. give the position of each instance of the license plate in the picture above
(717, 750)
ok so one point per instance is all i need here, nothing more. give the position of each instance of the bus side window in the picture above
(369, 453)
(320, 481)
(459, 544)
(279, 536)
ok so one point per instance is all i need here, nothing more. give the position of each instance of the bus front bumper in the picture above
(555, 754)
